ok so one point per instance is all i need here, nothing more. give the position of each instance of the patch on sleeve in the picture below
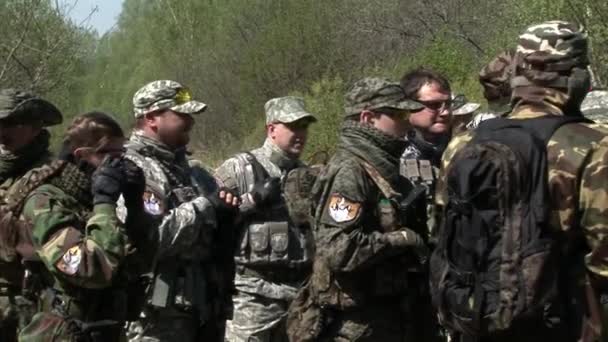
(153, 205)
(342, 209)
(70, 261)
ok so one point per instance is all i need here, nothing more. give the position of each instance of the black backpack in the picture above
(497, 260)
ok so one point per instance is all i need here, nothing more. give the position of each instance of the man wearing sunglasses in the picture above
(366, 240)
(188, 291)
(24, 145)
(274, 256)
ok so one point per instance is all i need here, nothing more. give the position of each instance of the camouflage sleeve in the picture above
(344, 237)
(593, 202)
(228, 174)
(86, 254)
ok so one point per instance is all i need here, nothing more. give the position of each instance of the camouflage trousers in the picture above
(15, 313)
(260, 311)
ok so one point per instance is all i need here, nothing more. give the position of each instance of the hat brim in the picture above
(467, 108)
(190, 107)
(293, 117)
(408, 105)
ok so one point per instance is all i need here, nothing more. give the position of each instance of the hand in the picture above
(107, 181)
(408, 238)
(265, 193)
(225, 202)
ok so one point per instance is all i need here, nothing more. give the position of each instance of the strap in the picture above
(259, 172)
(384, 186)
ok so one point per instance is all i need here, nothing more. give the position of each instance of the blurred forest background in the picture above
(236, 54)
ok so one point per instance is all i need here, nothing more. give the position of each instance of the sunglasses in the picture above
(394, 113)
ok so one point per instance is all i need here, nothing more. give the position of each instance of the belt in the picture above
(276, 274)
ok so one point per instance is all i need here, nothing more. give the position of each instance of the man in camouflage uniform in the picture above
(365, 274)
(188, 294)
(24, 145)
(274, 256)
(550, 78)
(495, 78)
(70, 238)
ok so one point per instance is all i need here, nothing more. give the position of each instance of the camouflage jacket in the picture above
(237, 174)
(186, 224)
(354, 261)
(81, 246)
(36, 156)
(577, 154)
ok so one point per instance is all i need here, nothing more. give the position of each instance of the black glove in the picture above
(134, 185)
(107, 181)
(265, 193)
(407, 238)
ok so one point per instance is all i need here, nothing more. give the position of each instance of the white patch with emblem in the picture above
(342, 209)
(153, 204)
(70, 261)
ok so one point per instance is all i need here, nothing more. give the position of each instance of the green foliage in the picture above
(237, 54)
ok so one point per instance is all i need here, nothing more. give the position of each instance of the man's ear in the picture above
(81, 152)
(367, 117)
(151, 119)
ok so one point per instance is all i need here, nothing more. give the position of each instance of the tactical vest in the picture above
(269, 238)
(178, 281)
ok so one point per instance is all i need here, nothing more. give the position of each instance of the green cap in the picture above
(24, 107)
(374, 93)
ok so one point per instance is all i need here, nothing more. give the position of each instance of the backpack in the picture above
(497, 260)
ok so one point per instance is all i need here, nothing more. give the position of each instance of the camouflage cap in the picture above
(373, 93)
(286, 109)
(25, 107)
(496, 76)
(165, 94)
(462, 106)
(546, 51)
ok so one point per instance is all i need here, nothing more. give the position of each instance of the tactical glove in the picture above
(107, 181)
(267, 192)
(408, 238)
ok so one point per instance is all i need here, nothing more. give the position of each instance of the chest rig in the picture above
(269, 238)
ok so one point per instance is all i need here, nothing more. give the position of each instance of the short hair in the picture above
(412, 81)
(90, 130)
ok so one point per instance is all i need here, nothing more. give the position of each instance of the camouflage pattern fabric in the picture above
(175, 194)
(286, 110)
(374, 93)
(359, 276)
(495, 78)
(20, 106)
(165, 94)
(260, 305)
(80, 248)
(577, 157)
(595, 106)
(15, 310)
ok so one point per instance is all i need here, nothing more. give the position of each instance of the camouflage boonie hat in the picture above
(12, 107)
(547, 50)
(165, 94)
(286, 109)
(373, 93)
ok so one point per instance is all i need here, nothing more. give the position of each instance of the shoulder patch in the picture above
(70, 261)
(153, 204)
(342, 209)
